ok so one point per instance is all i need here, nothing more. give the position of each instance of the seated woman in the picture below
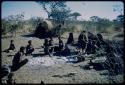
(70, 39)
(11, 47)
(29, 48)
(17, 58)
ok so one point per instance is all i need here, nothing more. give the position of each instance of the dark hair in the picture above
(11, 40)
(100, 37)
(29, 41)
(83, 31)
(59, 25)
(46, 40)
(40, 24)
(22, 48)
(71, 33)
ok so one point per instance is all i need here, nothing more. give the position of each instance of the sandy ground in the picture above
(52, 69)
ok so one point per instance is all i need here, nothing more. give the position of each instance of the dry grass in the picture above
(35, 73)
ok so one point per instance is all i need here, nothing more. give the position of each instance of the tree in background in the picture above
(56, 10)
(100, 24)
(34, 21)
(11, 23)
(118, 22)
(94, 18)
(120, 18)
(75, 15)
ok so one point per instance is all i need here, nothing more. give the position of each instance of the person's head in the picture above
(46, 40)
(29, 41)
(11, 41)
(109, 48)
(94, 42)
(42, 82)
(59, 25)
(22, 49)
(83, 31)
(40, 24)
(59, 37)
(99, 36)
(66, 45)
(71, 34)
(51, 38)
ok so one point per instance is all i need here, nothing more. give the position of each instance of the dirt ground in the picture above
(52, 69)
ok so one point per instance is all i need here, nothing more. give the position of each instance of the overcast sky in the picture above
(103, 9)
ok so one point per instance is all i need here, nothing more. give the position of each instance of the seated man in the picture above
(92, 43)
(17, 58)
(82, 42)
(70, 39)
(29, 48)
(100, 40)
(60, 44)
(51, 44)
(11, 47)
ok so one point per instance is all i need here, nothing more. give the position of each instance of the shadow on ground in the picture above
(10, 55)
(28, 35)
(38, 55)
(22, 63)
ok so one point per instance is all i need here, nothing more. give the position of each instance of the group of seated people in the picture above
(17, 59)
(87, 43)
(50, 48)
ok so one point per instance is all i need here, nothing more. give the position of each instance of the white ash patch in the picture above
(46, 61)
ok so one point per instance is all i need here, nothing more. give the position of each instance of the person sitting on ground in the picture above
(92, 43)
(11, 47)
(89, 45)
(51, 45)
(10, 79)
(99, 39)
(94, 47)
(60, 44)
(112, 59)
(46, 46)
(58, 49)
(29, 48)
(17, 58)
(82, 42)
(66, 51)
(70, 39)
(7, 75)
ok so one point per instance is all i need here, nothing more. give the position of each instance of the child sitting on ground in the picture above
(29, 48)
(11, 47)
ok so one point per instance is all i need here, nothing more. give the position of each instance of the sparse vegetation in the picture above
(100, 62)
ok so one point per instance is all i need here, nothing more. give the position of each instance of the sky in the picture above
(103, 9)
